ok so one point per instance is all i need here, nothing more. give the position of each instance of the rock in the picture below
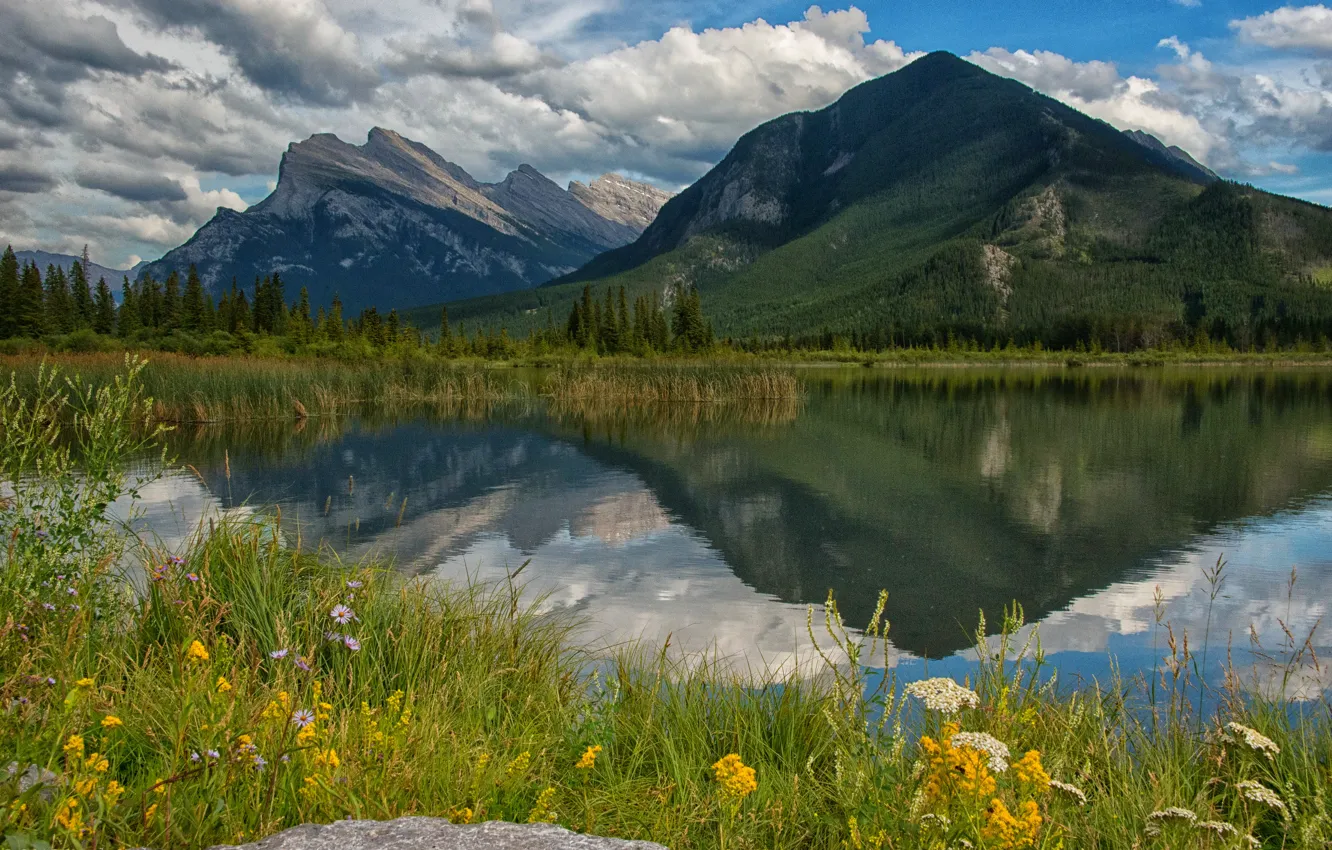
(417, 833)
(34, 775)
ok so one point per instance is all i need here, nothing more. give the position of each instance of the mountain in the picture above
(94, 271)
(1185, 162)
(391, 223)
(617, 199)
(942, 199)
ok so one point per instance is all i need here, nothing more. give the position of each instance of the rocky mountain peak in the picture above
(620, 199)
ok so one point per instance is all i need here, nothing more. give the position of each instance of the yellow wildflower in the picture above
(481, 762)
(148, 815)
(273, 711)
(84, 787)
(1006, 831)
(285, 698)
(97, 762)
(74, 746)
(85, 682)
(329, 759)
(955, 770)
(519, 764)
(111, 722)
(223, 685)
(197, 653)
(113, 791)
(589, 759)
(1030, 771)
(406, 717)
(463, 815)
(159, 786)
(735, 779)
(69, 816)
(306, 735)
(541, 812)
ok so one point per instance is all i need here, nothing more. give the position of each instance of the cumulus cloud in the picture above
(1289, 28)
(1098, 89)
(477, 46)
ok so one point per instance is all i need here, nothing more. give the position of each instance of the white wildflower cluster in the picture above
(1252, 842)
(1220, 827)
(1251, 738)
(982, 742)
(1260, 793)
(1174, 813)
(931, 819)
(943, 695)
(1071, 790)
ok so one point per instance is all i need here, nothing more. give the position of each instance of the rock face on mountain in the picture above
(391, 223)
(617, 199)
(66, 261)
(1189, 166)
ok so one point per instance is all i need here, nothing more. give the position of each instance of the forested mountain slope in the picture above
(944, 199)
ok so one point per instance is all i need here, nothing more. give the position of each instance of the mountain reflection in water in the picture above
(1076, 493)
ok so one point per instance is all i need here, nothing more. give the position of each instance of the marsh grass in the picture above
(217, 705)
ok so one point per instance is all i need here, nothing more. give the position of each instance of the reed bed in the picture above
(247, 686)
(670, 385)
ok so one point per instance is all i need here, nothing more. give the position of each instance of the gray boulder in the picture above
(438, 834)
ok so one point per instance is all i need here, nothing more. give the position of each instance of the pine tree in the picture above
(31, 312)
(127, 318)
(57, 306)
(610, 326)
(622, 321)
(150, 304)
(192, 309)
(587, 337)
(9, 293)
(104, 309)
(241, 320)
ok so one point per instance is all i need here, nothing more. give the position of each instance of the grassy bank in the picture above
(189, 390)
(249, 686)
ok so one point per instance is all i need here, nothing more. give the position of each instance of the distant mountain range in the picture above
(944, 199)
(94, 271)
(392, 224)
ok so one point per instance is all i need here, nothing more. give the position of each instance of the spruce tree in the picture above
(240, 313)
(445, 333)
(59, 306)
(81, 293)
(104, 309)
(170, 316)
(31, 312)
(334, 327)
(9, 293)
(127, 318)
(301, 327)
(610, 326)
(192, 310)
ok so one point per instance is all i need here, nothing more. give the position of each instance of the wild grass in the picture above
(240, 686)
(668, 385)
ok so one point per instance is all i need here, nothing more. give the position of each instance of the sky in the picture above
(125, 124)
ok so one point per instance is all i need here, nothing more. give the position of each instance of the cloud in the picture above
(1307, 28)
(131, 185)
(476, 47)
(685, 98)
(25, 179)
(1098, 89)
(292, 48)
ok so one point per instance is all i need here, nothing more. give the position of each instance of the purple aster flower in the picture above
(302, 664)
(278, 654)
(176, 561)
(60, 578)
(332, 637)
(260, 763)
(48, 606)
(285, 758)
(50, 680)
(341, 614)
(72, 591)
(194, 757)
(42, 535)
(302, 718)
(355, 585)
(23, 700)
(352, 643)
(74, 607)
(213, 754)
(192, 577)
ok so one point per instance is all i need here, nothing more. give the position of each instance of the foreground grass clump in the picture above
(240, 686)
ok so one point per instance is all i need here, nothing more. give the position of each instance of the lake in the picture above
(1096, 498)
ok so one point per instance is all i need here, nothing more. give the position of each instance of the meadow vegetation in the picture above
(240, 685)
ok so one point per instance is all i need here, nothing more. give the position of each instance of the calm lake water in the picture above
(1081, 494)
